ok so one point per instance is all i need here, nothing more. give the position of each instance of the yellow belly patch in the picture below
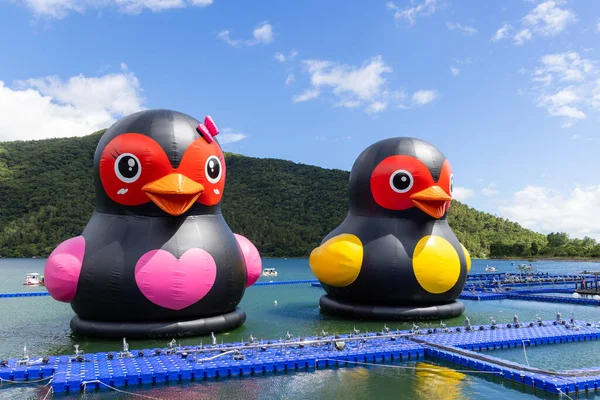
(436, 264)
(338, 261)
(467, 257)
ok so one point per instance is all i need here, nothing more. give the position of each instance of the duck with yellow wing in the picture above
(395, 256)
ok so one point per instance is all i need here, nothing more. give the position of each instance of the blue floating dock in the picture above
(24, 294)
(534, 294)
(73, 376)
(470, 349)
(292, 282)
(466, 349)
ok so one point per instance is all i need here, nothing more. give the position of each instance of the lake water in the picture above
(42, 324)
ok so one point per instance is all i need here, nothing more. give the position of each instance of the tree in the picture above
(558, 239)
(534, 248)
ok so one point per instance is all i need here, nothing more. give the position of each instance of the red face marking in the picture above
(132, 162)
(401, 182)
(205, 164)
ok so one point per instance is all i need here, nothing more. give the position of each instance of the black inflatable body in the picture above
(156, 258)
(394, 256)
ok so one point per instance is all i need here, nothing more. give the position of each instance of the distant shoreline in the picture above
(572, 259)
(525, 260)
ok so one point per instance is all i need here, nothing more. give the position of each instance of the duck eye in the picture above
(128, 168)
(401, 181)
(213, 169)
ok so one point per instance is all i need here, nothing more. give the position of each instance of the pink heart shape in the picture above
(175, 283)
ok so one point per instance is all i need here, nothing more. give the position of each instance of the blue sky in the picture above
(508, 90)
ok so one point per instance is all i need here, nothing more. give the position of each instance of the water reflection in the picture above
(437, 382)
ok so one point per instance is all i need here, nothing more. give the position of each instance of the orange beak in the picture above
(432, 201)
(174, 193)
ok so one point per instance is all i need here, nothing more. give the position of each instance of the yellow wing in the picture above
(467, 257)
(337, 262)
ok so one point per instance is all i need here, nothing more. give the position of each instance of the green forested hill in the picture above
(47, 195)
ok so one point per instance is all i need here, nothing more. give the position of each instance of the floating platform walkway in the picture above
(502, 295)
(181, 364)
(271, 283)
(24, 294)
(469, 347)
(530, 295)
(495, 276)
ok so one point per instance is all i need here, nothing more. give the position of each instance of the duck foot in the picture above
(143, 330)
(389, 313)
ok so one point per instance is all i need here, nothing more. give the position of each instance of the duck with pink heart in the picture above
(157, 257)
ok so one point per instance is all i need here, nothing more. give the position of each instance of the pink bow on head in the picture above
(208, 130)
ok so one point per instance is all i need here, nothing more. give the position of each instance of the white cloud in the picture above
(598, 27)
(307, 95)
(548, 19)
(489, 190)
(357, 86)
(462, 193)
(455, 71)
(568, 86)
(262, 34)
(546, 210)
(502, 33)
(50, 107)
(466, 30)
(228, 136)
(562, 98)
(352, 86)
(376, 107)
(61, 8)
(566, 111)
(568, 66)
(424, 8)
(290, 79)
(422, 97)
(522, 36)
(283, 58)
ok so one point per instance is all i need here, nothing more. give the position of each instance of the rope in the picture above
(524, 352)
(119, 390)
(36, 381)
(217, 356)
(51, 390)
(410, 367)
(561, 392)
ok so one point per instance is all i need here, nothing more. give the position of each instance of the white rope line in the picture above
(51, 390)
(525, 352)
(36, 381)
(119, 390)
(561, 392)
(410, 367)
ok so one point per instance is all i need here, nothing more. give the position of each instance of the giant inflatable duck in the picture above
(395, 256)
(156, 258)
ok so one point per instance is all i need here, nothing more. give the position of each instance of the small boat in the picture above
(269, 272)
(33, 279)
(525, 267)
(490, 269)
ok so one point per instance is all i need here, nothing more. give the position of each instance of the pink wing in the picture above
(63, 267)
(252, 259)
